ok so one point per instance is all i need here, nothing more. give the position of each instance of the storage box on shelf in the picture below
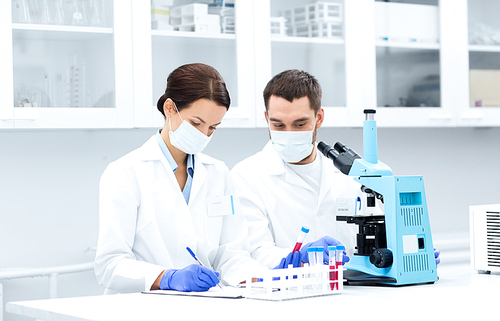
(484, 86)
(278, 27)
(194, 17)
(160, 18)
(226, 12)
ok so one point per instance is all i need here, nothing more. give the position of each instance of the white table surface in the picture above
(460, 293)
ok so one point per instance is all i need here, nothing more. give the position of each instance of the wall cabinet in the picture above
(420, 63)
(66, 64)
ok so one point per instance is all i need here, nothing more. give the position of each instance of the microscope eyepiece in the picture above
(328, 150)
(342, 157)
(341, 148)
(369, 114)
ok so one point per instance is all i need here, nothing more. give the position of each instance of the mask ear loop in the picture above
(170, 118)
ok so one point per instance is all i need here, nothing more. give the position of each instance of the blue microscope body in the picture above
(395, 248)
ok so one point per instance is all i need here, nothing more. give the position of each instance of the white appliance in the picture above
(485, 237)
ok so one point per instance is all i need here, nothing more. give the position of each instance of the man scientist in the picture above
(289, 184)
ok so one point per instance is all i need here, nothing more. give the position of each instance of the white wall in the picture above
(49, 188)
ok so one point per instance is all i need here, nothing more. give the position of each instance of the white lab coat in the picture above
(145, 224)
(278, 202)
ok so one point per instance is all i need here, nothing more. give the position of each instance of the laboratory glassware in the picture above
(21, 11)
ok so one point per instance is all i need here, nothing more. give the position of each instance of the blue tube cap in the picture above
(332, 248)
(319, 249)
(311, 249)
(304, 229)
(340, 247)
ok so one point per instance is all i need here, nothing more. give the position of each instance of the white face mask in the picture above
(187, 138)
(292, 146)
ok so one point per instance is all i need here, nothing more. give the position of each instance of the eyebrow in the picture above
(295, 121)
(201, 120)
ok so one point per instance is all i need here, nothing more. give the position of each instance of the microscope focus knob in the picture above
(381, 258)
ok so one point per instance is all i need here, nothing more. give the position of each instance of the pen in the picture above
(194, 257)
(358, 200)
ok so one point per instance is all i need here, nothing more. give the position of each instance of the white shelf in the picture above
(284, 39)
(57, 32)
(484, 48)
(191, 34)
(408, 45)
(188, 38)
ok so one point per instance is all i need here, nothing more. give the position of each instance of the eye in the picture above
(212, 128)
(300, 125)
(278, 125)
(195, 123)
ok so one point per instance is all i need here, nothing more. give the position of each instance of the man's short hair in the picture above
(294, 84)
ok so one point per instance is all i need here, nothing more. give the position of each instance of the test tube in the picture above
(319, 255)
(303, 232)
(339, 255)
(319, 262)
(311, 255)
(332, 259)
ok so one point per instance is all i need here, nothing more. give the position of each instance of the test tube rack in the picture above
(320, 19)
(296, 283)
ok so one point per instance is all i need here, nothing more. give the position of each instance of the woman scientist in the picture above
(167, 195)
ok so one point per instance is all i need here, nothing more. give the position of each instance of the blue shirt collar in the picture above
(170, 159)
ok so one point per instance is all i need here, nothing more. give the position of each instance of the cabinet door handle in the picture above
(472, 116)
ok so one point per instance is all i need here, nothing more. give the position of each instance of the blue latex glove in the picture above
(324, 242)
(291, 258)
(436, 256)
(191, 278)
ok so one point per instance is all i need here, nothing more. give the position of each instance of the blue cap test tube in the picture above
(311, 255)
(319, 255)
(331, 255)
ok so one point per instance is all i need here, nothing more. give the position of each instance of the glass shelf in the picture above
(60, 65)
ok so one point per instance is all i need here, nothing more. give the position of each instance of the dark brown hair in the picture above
(191, 82)
(294, 84)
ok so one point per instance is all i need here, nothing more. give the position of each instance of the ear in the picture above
(267, 117)
(168, 108)
(320, 117)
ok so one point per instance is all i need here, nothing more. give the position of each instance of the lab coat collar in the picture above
(152, 151)
(278, 167)
(275, 166)
(327, 176)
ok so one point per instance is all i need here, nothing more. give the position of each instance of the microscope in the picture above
(394, 248)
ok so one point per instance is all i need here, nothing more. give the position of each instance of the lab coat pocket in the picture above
(213, 230)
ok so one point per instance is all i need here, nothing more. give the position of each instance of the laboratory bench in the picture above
(460, 293)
